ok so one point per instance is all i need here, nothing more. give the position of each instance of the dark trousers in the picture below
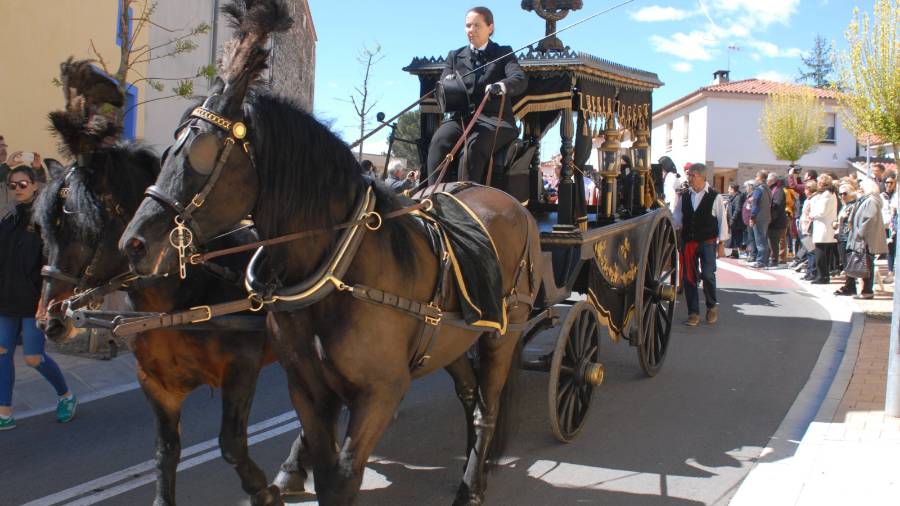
(825, 252)
(476, 153)
(776, 237)
(706, 257)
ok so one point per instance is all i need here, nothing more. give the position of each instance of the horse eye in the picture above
(202, 152)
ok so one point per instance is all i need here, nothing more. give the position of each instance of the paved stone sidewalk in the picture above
(849, 453)
(88, 378)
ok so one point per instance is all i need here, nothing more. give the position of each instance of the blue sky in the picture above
(682, 41)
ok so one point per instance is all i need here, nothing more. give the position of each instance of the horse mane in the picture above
(130, 168)
(304, 168)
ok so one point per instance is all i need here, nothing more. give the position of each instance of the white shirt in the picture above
(718, 211)
(670, 190)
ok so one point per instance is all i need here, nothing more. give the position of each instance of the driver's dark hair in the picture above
(485, 13)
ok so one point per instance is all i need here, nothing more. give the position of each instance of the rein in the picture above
(372, 221)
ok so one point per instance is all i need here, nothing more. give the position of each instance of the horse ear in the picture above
(245, 56)
(54, 168)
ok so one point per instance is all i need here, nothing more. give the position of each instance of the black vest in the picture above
(699, 225)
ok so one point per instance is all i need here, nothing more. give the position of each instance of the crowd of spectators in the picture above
(817, 225)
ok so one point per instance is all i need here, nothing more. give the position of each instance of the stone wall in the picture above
(294, 57)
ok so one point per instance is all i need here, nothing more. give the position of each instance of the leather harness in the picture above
(328, 277)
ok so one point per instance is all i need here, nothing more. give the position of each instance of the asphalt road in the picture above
(687, 436)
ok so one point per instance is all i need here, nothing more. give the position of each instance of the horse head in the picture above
(208, 181)
(84, 208)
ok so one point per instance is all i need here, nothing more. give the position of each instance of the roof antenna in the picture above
(732, 48)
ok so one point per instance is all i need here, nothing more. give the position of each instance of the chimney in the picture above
(720, 76)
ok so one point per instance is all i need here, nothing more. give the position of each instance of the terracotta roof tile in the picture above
(760, 87)
(763, 87)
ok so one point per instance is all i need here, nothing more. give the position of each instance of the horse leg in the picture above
(291, 477)
(496, 356)
(466, 384)
(168, 443)
(370, 414)
(318, 409)
(237, 395)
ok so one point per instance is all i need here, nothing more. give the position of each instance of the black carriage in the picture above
(619, 251)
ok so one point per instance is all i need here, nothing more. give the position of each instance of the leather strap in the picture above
(193, 315)
(487, 180)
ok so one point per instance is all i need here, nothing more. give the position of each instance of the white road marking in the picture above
(743, 271)
(145, 472)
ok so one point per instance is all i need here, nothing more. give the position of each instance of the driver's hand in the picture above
(498, 88)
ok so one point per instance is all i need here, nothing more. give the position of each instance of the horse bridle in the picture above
(85, 293)
(186, 227)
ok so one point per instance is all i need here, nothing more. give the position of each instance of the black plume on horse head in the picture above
(91, 99)
(244, 57)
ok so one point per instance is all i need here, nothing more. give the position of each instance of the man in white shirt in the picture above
(700, 215)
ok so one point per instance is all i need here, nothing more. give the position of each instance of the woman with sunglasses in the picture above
(21, 258)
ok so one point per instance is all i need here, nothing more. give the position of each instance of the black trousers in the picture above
(825, 253)
(477, 151)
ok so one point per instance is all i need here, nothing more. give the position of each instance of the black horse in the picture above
(292, 174)
(81, 214)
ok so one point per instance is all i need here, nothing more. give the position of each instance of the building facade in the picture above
(720, 125)
(292, 69)
(36, 36)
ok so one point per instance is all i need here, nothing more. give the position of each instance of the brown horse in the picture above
(81, 214)
(293, 174)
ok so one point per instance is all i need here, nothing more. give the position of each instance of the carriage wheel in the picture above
(574, 372)
(657, 304)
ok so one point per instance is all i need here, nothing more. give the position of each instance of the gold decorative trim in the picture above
(613, 273)
(212, 117)
(603, 316)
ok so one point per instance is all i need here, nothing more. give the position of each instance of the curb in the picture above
(777, 475)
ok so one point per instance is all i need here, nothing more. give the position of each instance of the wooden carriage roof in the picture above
(577, 62)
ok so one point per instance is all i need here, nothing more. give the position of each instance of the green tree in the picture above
(132, 57)
(409, 128)
(793, 123)
(869, 74)
(819, 66)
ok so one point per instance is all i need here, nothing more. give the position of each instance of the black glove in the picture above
(495, 89)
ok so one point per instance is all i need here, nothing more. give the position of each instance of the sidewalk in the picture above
(88, 378)
(849, 453)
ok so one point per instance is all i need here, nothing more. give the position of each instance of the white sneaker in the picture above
(888, 278)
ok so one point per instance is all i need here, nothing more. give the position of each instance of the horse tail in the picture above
(508, 414)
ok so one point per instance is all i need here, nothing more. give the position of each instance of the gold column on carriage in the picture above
(609, 171)
(640, 154)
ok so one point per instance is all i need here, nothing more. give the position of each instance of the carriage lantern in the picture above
(640, 153)
(609, 171)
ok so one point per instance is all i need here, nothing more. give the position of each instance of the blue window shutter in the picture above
(129, 127)
(118, 28)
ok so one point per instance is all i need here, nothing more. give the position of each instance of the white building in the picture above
(719, 125)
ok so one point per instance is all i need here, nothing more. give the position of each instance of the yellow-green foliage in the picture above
(869, 73)
(793, 123)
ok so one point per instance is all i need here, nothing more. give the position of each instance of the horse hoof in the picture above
(466, 498)
(291, 483)
(269, 496)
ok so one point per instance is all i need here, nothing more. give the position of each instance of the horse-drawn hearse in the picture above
(363, 290)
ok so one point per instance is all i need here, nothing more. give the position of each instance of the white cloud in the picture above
(774, 75)
(657, 13)
(682, 66)
(689, 46)
(773, 51)
(754, 14)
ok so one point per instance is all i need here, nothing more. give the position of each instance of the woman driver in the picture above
(509, 79)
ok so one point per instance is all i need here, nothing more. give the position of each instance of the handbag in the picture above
(857, 265)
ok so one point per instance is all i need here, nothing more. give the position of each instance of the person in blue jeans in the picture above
(760, 218)
(701, 217)
(21, 258)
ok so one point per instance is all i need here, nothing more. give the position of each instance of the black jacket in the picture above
(779, 214)
(506, 70)
(21, 258)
